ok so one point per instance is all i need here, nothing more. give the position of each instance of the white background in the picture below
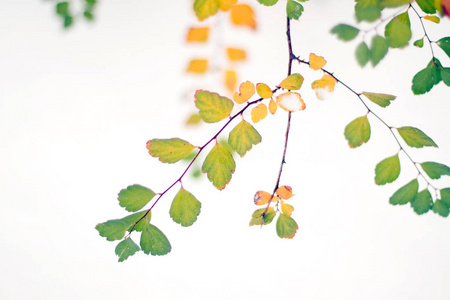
(78, 106)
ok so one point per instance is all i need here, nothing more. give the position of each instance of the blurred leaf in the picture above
(219, 166)
(243, 137)
(382, 100)
(226, 4)
(88, 15)
(197, 34)
(387, 170)
(205, 8)
(230, 80)
(154, 242)
(68, 21)
(246, 91)
(345, 32)
(294, 10)
(418, 43)
(286, 227)
(427, 6)
(284, 192)
(357, 132)
(316, 62)
(62, 8)
(135, 197)
(291, 101)
(268, 2)
(213, 108)
(169, 150)
(126, 248)
(434, 19)
(379, 49)
(113, 229)
(398, 31)
(262, 197)
(415, 137)
(444, 43)
(394, 3)
(235, 54)
(243, 15)
(185, 208)
(405, 194)
(362, 54)
(198, 66)
(367, 10)
(435, 170)
(422, 202)
(259, 113)
(193, 119)
(292, 82)
(439, 207)
(257, 216)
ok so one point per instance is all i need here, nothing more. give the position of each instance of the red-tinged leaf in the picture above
(235, 54)
(198, 66)
(246, 91)
(212, 107)
(286, 227)
(259, 113)
(197, 34)
(243, 137)
(243, 15)
(169, 150)
(292, 82)
(316, 62)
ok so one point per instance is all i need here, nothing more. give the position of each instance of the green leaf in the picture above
(379, 49)
(219, 165)
(243, 137)
(445, 75)
(440, 208)
(414, 137)
(382, 100)
(62, 8)
(405, 194)
(88, 15)
(444, 43)
(445, 196)
(154, 242)
(185, 208)
(294, 10)
(113, 229)
(135, 197)
(268, 2)
(435, 170)
(387, 170)
(292, 82)
(398, 31)
(345, 32)
(422, 202)
(367, 10)
(394, 3)
(286, 227)
(257, 216)
(68, 21)
(205, 8)
(169, 150)
(362, 54)
(425, 79)
(213, 108)
(133, 218)
(126, 248)
(357, 132)
(427, 6)
(418, 43)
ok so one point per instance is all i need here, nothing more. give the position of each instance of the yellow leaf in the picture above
(291, 101)
(287, 209)
(197, 34)
(316, 62)
(236, 54)
(226, 4)
(246, 91)
(324, 85)
(434, 19)
(264, 90)
(272, 106)
(230, 80)
(197, 66)
(243, 15)
(292, 82)
(194, 119)
(262, 198)
(259, 112)
(284, 192)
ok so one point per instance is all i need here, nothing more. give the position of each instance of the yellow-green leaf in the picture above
(205, 8)
(345, 32)
(219, 166)
(169, 150)
(135, 197)
(113, 229)
(292, 82)
(422, 202)
(382, 100)
(405, 194)
(387, 170)
(126, 248)
(257, 216)
(133, 218)
(394, 3)
(287, 209)
(185, 208)
(398, 31)
(154, 242)
(357, 132)
(243, 137)
(415, 137)
(286, 227)
(212, 107)
(435, 170)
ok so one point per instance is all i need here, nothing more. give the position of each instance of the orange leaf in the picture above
(259, 112)
(272, 107)
(236, 54)
(197, 66)
(246, 91)
(230, 80)
(197, 34)
(291, 101)
(324, 85)
(284, 192)
(243, 15)
(316, 62)
(264, 90)
(262, 198)
(226, 4)
(446, 7)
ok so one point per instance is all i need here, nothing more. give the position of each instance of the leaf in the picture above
(243, 137)
(293, 10)
(235, 54)
(357, 132)
(398, 31)
(268, 2)
(185, 208)
(286, 227)
(367, 10)
(379, 49)
(287, 209)
(415, 137)
(133, 218)
(405, 194)
(387, 170)
(198, 66)
(362, 54)
(291, 101)
(434, 19)
(418, 43)
(262, 197)
(246, 91)
(264, 90)
(292, 82)
(382, 100)
(259, 113)
(88, 15)
(325, 84)
(193, 119)
(154, 242)
(426, 78)
(126, 248)
(226, 5)
(345, 32)
(444, 43)
(257, 216)
(62, 8)
(135, 197)
(205, 8)
(439, 207)
(169, 150)
(272, 106)
(394, 3)
(445, 74)
(284, 192)
(316, 62)
(68, 21)
(243, 15)
(230, 80)
(422, 202)
(435, 170)
(219, 166)
(197, 35)
(427, 6)
(213, 108)
(113, 229)
(445, 196)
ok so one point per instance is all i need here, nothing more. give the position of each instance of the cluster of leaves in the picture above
(65, 11)
(397, 34)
